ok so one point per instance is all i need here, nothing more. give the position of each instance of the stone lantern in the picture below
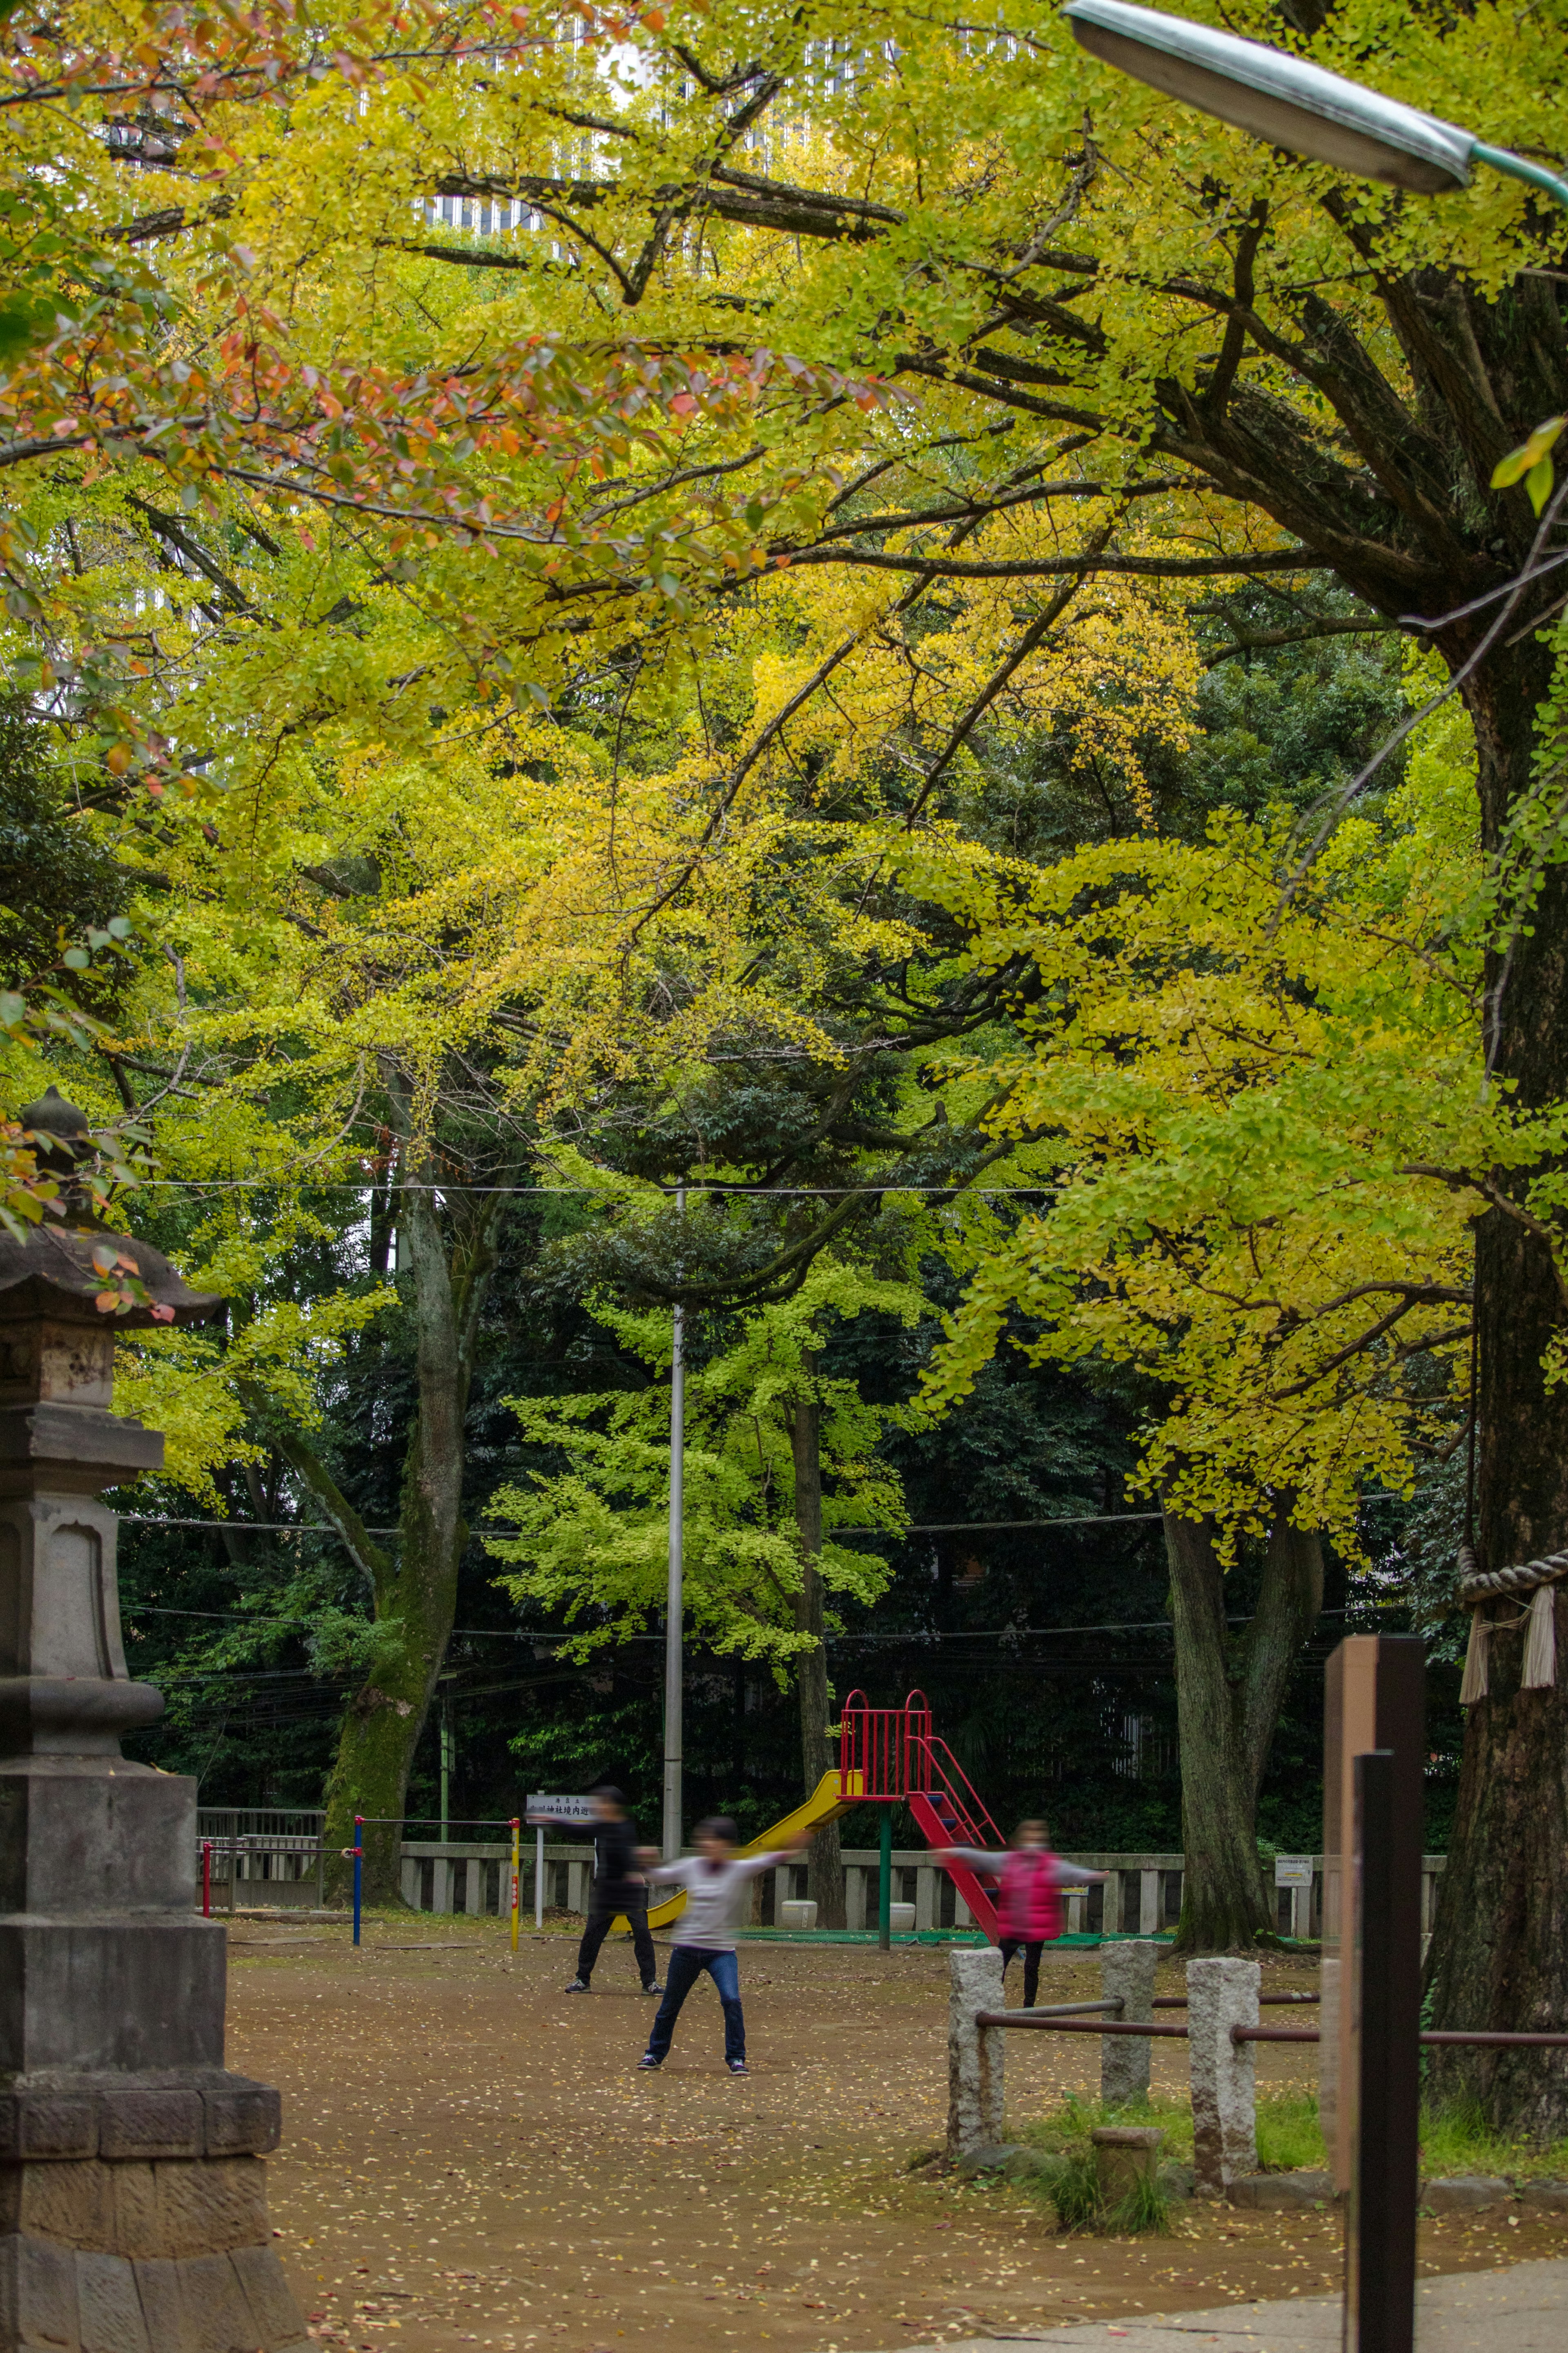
(133, 2200)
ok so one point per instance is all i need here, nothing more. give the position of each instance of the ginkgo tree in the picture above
(286, 537)
(1189, 358)
(409, 981)
(1266, 1135)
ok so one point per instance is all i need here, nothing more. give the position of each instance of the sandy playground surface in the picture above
(470, 2157)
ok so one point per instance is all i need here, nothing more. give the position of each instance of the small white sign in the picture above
(542, 1809)
(1293, 1871)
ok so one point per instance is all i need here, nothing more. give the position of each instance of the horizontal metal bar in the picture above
(1432, 2034)
(1076, 2025)
(1071, 2008)
(1496, 2042)
(1179, 2001)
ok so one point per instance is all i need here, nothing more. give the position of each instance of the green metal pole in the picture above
(1518, 167)
(884, 1884)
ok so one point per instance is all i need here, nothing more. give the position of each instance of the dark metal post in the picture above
(885, 1882)
(1386, 1994)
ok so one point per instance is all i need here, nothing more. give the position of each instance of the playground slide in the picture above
(825, 1801)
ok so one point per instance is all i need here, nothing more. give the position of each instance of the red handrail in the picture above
(945, 1777)
(916, 1738)
(871, 1750)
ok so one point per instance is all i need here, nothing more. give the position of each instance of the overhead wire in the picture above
(914, 1528)
(590, 1192)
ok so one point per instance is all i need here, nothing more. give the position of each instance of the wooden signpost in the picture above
(1374, 1722)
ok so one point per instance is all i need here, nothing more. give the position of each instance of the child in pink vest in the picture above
(1028, 1905)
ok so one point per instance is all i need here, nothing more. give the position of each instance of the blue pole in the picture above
(359, 1867)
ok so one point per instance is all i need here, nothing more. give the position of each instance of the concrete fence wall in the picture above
(1142, 1897)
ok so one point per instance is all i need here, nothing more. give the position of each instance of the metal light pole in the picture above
(673, 1599)
(1291, 104)
(448, 1753)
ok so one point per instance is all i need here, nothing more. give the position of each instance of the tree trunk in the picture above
(1229, 1692)
(413, 1593)
(824, 1869)
(1499, 1953)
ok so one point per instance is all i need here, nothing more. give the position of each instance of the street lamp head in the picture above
(1277, 97)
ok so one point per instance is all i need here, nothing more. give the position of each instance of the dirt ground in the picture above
(470, 2157)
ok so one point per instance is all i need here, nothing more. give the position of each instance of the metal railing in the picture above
(285, 1822)
(948, 1784)
(1055, 2022)
(232, 1861)
(875, 1743)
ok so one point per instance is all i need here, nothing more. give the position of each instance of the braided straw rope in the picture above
(1535, 1578)
(1476, 1585)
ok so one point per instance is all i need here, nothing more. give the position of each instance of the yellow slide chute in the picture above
(831, 1797)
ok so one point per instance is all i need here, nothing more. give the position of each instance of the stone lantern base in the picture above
(134, 2216)
(133, 2205)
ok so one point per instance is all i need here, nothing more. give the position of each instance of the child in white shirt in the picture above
(716, 1881)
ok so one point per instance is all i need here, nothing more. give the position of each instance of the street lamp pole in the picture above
(674, 1602)
(1291, 104)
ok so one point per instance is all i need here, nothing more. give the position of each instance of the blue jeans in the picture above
(687, 1963)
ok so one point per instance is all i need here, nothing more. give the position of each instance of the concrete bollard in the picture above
(974, 2064)
(1127, 1974)
(1124, 2155)
(1222, 1994)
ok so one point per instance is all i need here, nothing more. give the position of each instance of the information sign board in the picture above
(542, 1809)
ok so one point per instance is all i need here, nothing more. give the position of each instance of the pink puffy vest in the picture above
(1028, 1904)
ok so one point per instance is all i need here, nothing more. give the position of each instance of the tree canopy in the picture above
(796, 601)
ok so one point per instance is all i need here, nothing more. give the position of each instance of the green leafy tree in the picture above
(778, 1452)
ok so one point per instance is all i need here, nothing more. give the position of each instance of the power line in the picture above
(964, 1527)
(590, 1192)
(268, 1618)
(915, 1527)
(913, 1635)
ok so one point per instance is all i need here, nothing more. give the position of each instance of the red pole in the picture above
(207, 1879)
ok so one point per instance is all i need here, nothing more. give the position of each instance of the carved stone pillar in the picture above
(133, 2198)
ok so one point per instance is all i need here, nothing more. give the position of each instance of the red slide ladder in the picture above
(895, 1753)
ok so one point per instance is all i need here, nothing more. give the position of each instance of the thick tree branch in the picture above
(1045, 620)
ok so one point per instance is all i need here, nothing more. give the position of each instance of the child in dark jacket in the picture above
(1029, 1903)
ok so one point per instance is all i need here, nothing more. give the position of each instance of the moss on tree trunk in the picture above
(449, 1255)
